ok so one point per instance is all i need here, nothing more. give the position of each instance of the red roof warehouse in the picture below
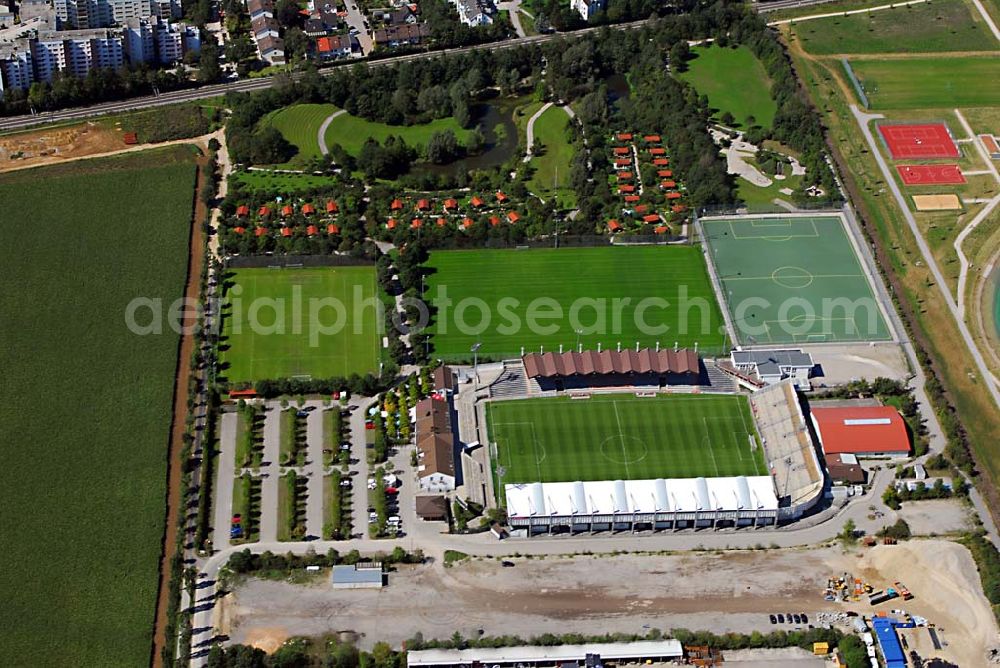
(865, 431)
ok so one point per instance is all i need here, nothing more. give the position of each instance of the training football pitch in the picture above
(546, 298)
(928, 82)
(623, 437)
(269, 331)
(793, 279)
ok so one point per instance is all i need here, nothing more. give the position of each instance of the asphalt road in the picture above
(249, 85)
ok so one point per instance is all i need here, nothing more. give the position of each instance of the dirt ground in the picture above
(936, 516)
(734, 591)
(42, 147)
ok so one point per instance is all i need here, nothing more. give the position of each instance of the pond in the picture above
(618, 88)
(496, 121)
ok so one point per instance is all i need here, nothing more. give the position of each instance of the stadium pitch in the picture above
(793, 279)
(267, 343)
(623, 437)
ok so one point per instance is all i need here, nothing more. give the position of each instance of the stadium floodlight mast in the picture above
(475, 359)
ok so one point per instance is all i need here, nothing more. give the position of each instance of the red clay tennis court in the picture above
(930, 175)
(930, 140)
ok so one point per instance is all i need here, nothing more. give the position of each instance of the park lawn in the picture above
(759, 200)
(734, 81)
(352, 132)
(551, 176)
(87, 403)
(591, 278)
(942, 25)
(928, 82)
(623, 437)
(283, 346)
(276, 183)
(300, 124)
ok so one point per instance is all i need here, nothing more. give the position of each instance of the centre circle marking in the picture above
(612, 450)
(794, 278)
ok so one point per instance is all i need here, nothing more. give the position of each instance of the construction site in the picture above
(718, 591)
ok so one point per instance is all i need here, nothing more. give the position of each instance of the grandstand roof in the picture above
(861, 430)
(606, 497)
(591, 362)
(547, 655)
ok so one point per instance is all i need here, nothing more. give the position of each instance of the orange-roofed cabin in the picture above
(331, 207)
(243, 211)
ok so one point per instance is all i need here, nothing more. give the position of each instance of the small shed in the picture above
(432, 508)
(366, 575)
(444, 378)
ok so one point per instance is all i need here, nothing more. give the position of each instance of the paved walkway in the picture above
(531, 129)
(866, 10)
(514, 11)
(963, 274)
(321, 134)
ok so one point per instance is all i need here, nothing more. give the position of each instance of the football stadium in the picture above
(643, 440)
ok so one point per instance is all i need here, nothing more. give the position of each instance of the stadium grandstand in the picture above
(613, 368)
(632, 505)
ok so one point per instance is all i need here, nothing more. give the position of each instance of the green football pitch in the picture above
(271, 331)
(623, 437)
(546, 298)
(793, 279)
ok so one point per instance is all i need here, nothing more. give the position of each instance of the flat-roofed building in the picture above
(863, 431)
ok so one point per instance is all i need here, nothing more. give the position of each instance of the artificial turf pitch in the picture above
(267, 343)
(793, 279)
(505, 283)
(623, 437)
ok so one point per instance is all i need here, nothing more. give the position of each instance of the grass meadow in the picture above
(545, 281)
(623, 437)
(300, 124)
(942, 25)
(351, 132)
(928, 83)
(284, 346)
(87, 404)
(552, 167)
(734, 81)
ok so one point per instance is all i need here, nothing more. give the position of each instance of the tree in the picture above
(208, 63)
(853, 651)
(848, 535)
(442, 147)
(680, 52)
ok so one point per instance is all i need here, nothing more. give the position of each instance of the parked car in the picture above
(237, 518)
(345, 482)
(774, 620)
(391, 490)
(345, 447)
(301, 413)
(805, 618)
(236, 532)
(507, 564)
(797, 618)
(781, 618)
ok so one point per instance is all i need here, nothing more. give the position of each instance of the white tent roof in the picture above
(546, 654)
(640, 496)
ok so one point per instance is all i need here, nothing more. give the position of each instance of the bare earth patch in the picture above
(43, 147)
(720, 592)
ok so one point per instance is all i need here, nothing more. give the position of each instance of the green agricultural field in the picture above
(268, 336)
(86, 407)
(540, 298)
(734, 81)
(300, 125)
(552, 167)
(942, 25)
(351, 132)
(928, 83)
(621, 436)
(793, 279)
